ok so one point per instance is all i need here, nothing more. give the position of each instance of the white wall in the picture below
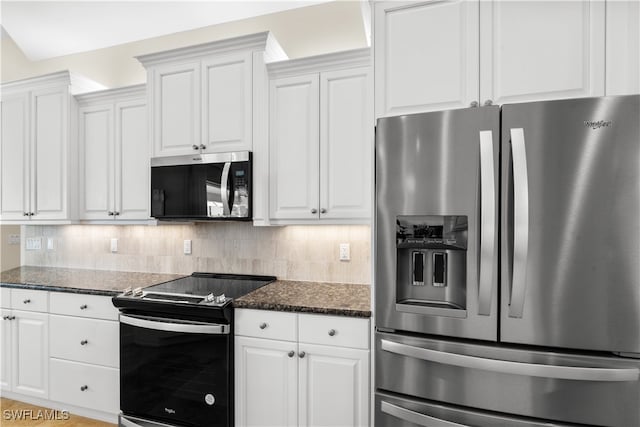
(307, 31)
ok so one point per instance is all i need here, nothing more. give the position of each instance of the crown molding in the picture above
(326, 62)
(263, 41)
(117, 94)
(76, 82)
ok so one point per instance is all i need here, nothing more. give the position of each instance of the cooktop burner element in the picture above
(189, 295)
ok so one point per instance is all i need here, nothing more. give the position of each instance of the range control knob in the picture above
(220, 299)
(127, 291)
(210, 298)
(137, 292)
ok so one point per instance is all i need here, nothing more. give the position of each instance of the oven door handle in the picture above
(180, 326)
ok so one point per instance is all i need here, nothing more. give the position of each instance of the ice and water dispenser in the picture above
(431, 264)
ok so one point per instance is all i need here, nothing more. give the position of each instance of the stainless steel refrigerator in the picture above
(507, 265)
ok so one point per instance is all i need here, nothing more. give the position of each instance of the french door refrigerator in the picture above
(507, 265)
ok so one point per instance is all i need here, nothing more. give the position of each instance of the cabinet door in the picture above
(49, 153)
(623, 47)
(226, 103)
(294, 150)
(96, 162)
(346, 144)
(6, 350)
(131, 161)
(176, 108)
(334, 386)
(14, 167)
(426, 56)
(266, 382)
(531, 50)
(31, 353)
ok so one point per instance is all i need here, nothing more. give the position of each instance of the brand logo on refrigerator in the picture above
(169, 411)
(598, 124)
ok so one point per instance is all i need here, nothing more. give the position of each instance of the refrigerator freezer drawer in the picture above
(568, 388)
(400, 411)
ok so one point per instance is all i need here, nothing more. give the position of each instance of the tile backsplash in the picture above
(307, 253)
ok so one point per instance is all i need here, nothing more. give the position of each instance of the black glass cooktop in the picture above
(203, 284)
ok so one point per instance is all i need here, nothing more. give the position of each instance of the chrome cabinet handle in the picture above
(263, 325)
(203, 147)
(83, 307)
(25, 214)
(116, 213)
(473, 104)
(332, 332)
(487, 221)
(314, 211)
(291, 353)
(27, 301)
(110, 213)
(488, 102)
(520, 223)
(194, 146)
(323, 210)
(84, 342)
(302, 354)
(415, 417)
(84, 388)
(515, 368)
(5, 318)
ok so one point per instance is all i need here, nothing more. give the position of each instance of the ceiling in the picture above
(47, 29)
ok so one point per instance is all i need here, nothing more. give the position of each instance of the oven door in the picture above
(175, 371)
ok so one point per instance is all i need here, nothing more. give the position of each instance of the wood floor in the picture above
(10, 409)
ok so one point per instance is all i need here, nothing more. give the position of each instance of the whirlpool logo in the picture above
(169, 411)
(597, 124)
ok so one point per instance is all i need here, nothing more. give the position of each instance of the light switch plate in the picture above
(345, 252)
(51, 244)
(187, 247)
(114, 245)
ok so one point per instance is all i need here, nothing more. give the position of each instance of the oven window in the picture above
(175, 377)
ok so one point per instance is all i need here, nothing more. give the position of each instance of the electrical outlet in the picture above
(114, 245)
(187, 247)
(34, 243)
(14, 239)
(345, 252)
(51, 244)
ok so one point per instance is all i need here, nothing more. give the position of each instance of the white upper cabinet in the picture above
(623, 47)
(535, 50)
(438, 55)
(426, 56)
(201, 97)
(321, 139)
(39, 148)
(114, 155)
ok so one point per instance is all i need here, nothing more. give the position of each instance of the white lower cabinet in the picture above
(318, 377)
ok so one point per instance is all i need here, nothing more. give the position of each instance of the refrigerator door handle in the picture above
(415, 417)
(575, 373)
(520, 223)
(487, 223)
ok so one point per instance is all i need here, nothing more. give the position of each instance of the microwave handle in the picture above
(224, 189)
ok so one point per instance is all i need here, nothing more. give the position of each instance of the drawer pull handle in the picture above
(263, 325)
(84, 388)
(27, 301)
(332, 332)
(6, 317)
(84, 342)
(83, 307)
(291, 353)
(12, 317)
(302, 354)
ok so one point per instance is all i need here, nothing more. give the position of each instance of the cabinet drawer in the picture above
(266, 324)
(84, 340)
(334, 330)
(96, 306)
(29, 300)
(89, 386)
(5, 297)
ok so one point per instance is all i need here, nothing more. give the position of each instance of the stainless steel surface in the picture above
(239, 156)
(393, 410)
(516, 368)
(415, 417)
(224, 189)
(173, 325)
(129, 421)
(488, 229)
(458, 378)
(429, 164)
(582, 274)
(520, 222)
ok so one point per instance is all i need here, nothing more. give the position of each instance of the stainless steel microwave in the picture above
(202, 187)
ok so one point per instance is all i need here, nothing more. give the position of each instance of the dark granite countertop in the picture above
(95, 282)
(310, 297)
